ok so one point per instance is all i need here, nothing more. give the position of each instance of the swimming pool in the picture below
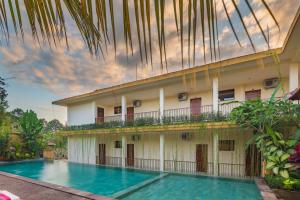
(109, 181)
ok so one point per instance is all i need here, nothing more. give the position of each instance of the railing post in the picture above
(293, 76)
(124, 150)
(215, 94)
(161, 152)
(161, 104)
(124, 109)
(216, 152)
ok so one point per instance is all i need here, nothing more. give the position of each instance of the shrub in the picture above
(278, 182)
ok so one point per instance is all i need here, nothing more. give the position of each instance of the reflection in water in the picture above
(56, 172)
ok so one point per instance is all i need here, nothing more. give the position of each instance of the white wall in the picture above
(81, 114)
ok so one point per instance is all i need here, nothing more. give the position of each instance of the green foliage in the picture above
(278, 182)
(4, 144)
(53, 126)
(31, 128)
(267, 119)
(16, 114)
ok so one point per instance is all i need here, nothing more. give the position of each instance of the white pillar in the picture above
(216, 152)
(215, 94)
(161, 152)
(161, 104)
(294, 76)
(124, 109)
(124, 150)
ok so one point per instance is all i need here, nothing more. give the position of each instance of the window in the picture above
(117, 110)
(226, 95)
(118, 144)
(226, 145)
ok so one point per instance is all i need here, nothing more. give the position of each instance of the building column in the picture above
(124, 150)
(293, 76)
(216, 152)
(215, 94)
(161, 152)
(161, 104)
(123, 108)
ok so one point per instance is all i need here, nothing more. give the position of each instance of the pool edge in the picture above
(60, 188)
(265, 191)
(134, 188)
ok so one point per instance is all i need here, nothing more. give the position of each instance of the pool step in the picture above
(136, 187)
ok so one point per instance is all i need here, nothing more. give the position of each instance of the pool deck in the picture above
(31, 189)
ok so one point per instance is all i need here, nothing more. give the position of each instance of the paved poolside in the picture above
(35, 190)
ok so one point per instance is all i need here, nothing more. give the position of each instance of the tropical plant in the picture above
(95, 21)
(30, 134)
(268, 120)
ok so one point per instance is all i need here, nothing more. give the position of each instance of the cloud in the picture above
(74, 71)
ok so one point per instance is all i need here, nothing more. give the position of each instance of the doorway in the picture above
(201, 157)
(102, 157)
(195, 105)
(130, 154)
(130, 114)
(100, 115)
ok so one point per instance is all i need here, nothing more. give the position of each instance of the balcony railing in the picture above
(170, 116)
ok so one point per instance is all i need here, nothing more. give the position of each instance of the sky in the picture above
(39, 74)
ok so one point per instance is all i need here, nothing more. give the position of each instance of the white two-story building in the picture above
(179, 121)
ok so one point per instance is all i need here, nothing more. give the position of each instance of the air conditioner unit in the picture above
(182, 96)
(135, 137)
(271, 83)
(137, 103)
(186, 136)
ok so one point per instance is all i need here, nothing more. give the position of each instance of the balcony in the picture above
(170, 116)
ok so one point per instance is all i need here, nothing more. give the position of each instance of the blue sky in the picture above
(41, 75)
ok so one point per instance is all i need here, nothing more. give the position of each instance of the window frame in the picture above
(117, 110)
(226, 91)
(226, 145)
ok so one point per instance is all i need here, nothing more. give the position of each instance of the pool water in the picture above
(108, 181)
(95, 179)
(177, 187)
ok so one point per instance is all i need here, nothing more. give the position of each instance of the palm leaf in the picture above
(243, 23)
(189, 30)
(271, 13)
(194, 29)
(231, 24)
(175, 15)
(202, 18)
(257, 22)
(142, 7)
(112, 18)
(137, 20)
(148, 16)
(181, 29)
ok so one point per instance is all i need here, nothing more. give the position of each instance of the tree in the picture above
(3, 101)
(53, 126)
(31, 128)
(16, 114)
(269, 120)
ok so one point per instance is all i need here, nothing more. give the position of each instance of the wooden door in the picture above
(195, 105)
(130, 114)
(100, 115)
(102, 154)
(253, 161)
(201, 157)
(253, 94)
(130, 154)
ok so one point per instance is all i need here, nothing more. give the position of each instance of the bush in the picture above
(274, 181)
(278, 182)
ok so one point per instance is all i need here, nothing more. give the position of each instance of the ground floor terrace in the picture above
(211, 151)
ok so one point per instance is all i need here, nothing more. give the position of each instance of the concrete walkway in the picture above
(28, 189)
